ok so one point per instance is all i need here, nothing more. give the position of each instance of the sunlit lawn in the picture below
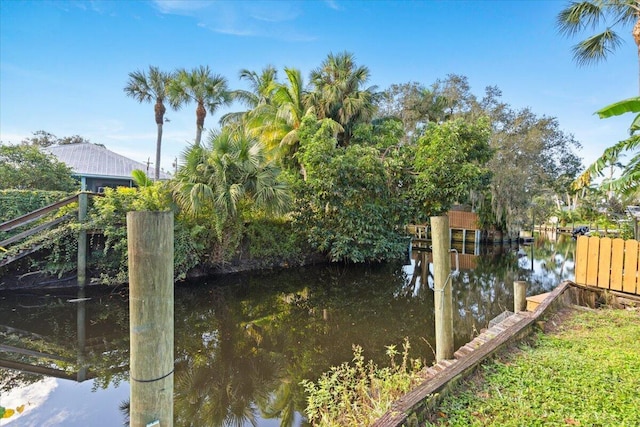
(585, 373)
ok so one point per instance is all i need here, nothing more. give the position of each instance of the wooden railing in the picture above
(29, 218)
(608, 263)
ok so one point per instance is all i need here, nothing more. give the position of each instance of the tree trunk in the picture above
(159, 110)
(158, 146)
(636, 38)
(201, 113)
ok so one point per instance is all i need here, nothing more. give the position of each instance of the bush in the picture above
(273, 241)
(359, 394)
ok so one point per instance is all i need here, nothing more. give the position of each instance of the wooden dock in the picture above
(440, 378)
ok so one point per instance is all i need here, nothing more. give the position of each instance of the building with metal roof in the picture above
(96, 167)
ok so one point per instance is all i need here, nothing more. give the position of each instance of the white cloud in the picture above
(31, 396)
(242, 19)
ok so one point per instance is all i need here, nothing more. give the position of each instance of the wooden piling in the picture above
(519, 296)
(82, 239)
(442, 287)
(150, 249)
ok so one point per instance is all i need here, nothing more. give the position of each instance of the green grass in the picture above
(586, 373)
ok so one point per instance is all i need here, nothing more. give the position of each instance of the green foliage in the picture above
(450, 163)
(109, 213)
(357, 394)
(15, 203)
(231, 171)
(25, 167)
(273, 241)
(346, 205)
(599, 16)
(627, 183)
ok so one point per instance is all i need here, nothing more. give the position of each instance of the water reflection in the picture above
(244, 342)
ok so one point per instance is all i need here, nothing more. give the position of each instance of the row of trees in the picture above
(349, 165)
(339, 165)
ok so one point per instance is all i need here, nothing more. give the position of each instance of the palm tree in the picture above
(207, 90)
(339, 93)
(581, 15)
(629, 180)
(147, 88)
(261, 88)
(230, 170)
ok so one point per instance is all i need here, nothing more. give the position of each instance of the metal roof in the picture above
(92, 160)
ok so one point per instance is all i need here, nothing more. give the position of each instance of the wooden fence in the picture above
(608, 263)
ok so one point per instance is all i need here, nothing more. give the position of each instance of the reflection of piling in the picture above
(519, 296)
(150, 240)
(442, 287)
(81, 324)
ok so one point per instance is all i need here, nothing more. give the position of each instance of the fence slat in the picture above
(630, 266)
(592, 261)
(582, 247)
(604, 263)
(617, 265)
(637, 292)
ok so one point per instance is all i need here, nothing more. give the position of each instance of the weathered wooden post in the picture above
(150, 244)
(441, 247)
(82, 239)
(424, 268)
(519, 296)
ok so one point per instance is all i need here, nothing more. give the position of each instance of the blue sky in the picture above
(64, 64)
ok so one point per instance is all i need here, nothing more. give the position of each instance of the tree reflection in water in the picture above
(245, 342)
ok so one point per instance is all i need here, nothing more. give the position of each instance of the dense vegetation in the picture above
(335, 165)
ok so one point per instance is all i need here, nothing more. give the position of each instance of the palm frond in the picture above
(578, 16)
(596, 48)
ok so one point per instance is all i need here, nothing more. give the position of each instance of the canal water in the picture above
(244, 342)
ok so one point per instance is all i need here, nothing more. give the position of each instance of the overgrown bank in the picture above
(585, 372)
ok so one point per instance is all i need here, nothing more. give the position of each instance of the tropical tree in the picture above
(339, 93)
(261, 88)
(450, 163)
(209, 91)
(347, 206)
(230, 171)
(148, 88)
(629, 180)
(281, 131)
(599, 14)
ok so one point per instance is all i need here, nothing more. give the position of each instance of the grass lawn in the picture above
(584, 372)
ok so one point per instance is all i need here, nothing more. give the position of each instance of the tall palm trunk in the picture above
(201, 113)
(636, 38)
(159, 111)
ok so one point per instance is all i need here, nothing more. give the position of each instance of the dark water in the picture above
(244, 342)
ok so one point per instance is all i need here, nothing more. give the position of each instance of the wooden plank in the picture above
(535, 300)
(582, 247)
(604, 263)
(33, 231)
(592, 261)
(637, 292)
(630, 266)
(617, 259)
(32, 216)
(401, 408)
